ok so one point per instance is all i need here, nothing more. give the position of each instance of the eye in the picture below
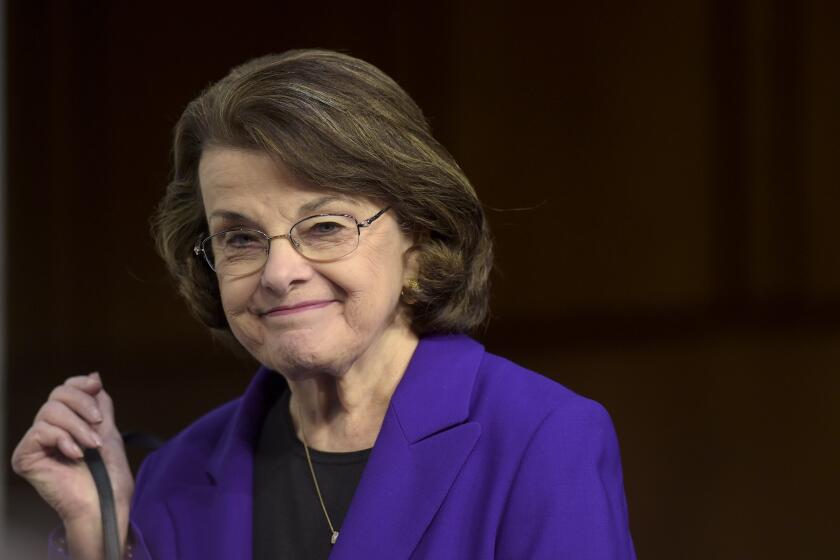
(325, 228)
(318, 234)
(240, 239)
(322, 227)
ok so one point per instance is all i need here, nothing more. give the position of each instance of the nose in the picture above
(284, 266)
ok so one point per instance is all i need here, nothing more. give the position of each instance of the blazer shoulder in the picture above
(566, 495)
(524, 396)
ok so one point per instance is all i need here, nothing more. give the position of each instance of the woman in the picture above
(313, 217)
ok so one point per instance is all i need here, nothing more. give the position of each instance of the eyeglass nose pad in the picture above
(296, 245)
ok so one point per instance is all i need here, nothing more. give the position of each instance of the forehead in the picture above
(250, 179)
(228, 171)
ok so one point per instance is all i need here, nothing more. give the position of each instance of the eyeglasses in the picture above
(242, 250)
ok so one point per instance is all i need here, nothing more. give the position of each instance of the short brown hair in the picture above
(339, 123)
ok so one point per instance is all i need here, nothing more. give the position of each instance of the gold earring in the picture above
(409, 291)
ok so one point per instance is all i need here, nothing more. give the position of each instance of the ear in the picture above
(411, 264)
(411, 257)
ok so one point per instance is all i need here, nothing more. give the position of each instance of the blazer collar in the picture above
(435, 390)
(231, 462)
(433, 395)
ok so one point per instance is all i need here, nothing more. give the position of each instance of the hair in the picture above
(341, 124)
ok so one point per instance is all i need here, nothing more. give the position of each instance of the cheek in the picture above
(373, 288)
(237, 292)
(235, 299)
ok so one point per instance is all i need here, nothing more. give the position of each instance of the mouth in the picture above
(301, 307)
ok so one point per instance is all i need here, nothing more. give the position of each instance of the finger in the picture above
(43, 437)
(90, 383)
(78, 401)
(48, 436)
(106, 406)
(59, 414)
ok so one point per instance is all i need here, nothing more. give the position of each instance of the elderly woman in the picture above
(313, 217)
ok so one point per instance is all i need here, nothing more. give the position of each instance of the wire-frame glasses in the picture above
(242, 250)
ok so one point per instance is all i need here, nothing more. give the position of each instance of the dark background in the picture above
(675, 260)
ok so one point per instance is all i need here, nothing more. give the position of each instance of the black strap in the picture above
(110, 532)
(142, 441)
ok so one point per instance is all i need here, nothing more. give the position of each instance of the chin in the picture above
(300, 355)
(291, 351)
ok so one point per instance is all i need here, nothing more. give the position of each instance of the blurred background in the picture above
(661, 177)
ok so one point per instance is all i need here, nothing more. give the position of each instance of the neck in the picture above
(341, 413)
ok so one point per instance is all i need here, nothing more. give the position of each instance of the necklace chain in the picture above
(334, 533)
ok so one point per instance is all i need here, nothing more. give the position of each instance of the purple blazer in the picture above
(477, 458)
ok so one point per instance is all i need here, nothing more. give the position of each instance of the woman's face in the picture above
(294, 315)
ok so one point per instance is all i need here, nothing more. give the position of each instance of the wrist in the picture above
(83, 537)
(83, 534)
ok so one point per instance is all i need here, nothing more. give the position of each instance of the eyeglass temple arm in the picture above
(373, 218)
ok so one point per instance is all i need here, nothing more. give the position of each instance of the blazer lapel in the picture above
(218, 517)
(423, 443)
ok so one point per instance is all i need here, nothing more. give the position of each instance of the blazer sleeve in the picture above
(567, 499)
(137, 547)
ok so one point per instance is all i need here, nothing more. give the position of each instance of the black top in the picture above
(288, 520)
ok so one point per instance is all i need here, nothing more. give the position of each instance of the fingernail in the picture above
(78, 450)
(96, 439)
(95, 376)
(96, 415)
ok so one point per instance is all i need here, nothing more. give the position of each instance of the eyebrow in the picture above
(318, 203)
(229, 216)
(309, 207)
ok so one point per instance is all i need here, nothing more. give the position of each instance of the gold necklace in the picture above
(334, 533)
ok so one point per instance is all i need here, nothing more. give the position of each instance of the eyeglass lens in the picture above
(244, 251)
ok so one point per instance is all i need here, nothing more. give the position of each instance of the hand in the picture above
(77, 414)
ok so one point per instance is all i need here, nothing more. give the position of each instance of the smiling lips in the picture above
(296, 308)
